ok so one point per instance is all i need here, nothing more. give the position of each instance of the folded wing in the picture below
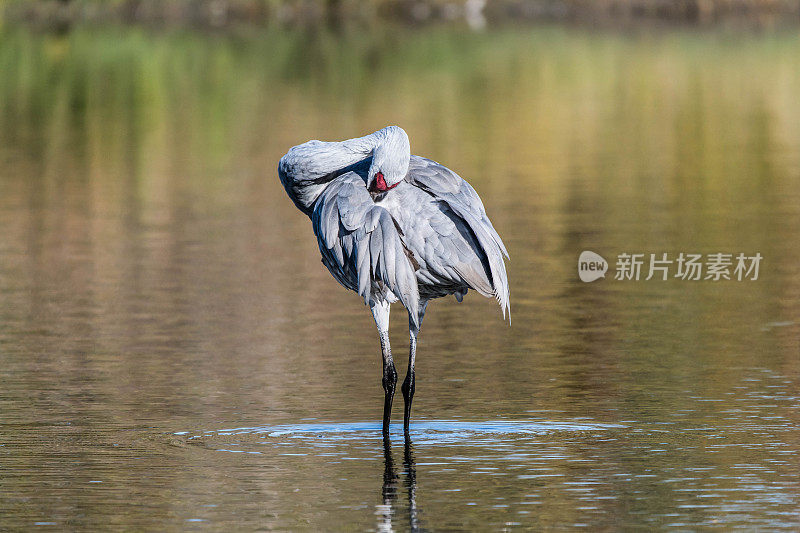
(360, 243)
(458, 196)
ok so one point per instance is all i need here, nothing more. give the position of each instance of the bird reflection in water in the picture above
(389, 488)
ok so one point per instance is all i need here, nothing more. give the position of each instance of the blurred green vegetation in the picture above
(59, 14)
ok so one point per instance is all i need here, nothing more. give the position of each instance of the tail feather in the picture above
(494, 250)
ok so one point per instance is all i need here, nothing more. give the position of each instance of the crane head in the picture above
(390, 159)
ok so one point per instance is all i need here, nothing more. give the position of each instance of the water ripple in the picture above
(430, 432)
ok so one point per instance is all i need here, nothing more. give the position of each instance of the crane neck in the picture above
(307, 168)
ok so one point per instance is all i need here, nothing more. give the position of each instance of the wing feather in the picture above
(443, 183)
(448, 188)
(360, 243)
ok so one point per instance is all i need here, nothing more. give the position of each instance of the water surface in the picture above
(174, 356)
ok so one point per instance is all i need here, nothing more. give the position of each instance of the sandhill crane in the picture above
(394, 226)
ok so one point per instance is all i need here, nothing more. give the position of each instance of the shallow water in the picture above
(174, 356)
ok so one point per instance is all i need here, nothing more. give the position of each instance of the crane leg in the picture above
(380, 312)
(389, 382)
(408, 383)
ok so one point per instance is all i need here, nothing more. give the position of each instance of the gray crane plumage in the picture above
(421, 234)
